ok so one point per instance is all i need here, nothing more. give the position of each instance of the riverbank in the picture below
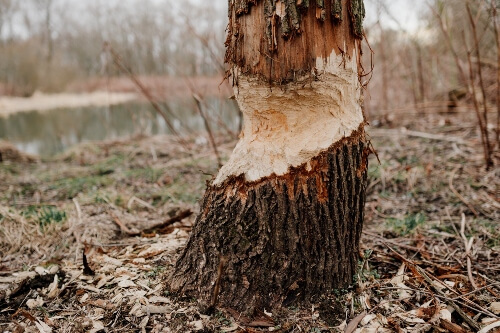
(116, 90)
(45, 102)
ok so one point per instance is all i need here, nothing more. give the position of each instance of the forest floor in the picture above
(87, 239)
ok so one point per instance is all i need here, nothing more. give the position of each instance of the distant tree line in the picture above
(47, 44)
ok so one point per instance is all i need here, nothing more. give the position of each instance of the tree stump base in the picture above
(281, 239)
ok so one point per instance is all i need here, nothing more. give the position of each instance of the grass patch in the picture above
(407, 225)
(44, 215)
(149, 175)
(69, 188)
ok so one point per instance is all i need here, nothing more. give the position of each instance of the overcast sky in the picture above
(402, 13)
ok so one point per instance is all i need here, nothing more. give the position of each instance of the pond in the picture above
(47, 133)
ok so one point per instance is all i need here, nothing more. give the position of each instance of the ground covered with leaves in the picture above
(87, 239)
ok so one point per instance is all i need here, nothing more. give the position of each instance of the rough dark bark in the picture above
(281, 239)
(280, 47)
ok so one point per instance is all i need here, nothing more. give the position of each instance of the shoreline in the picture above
(45, 102)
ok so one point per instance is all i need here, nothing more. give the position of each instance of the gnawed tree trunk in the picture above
(281, 221)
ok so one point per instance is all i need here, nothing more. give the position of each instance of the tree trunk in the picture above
(281, 222)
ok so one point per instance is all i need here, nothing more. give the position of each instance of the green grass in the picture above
(9, 168)
(407, 225)
(44, 215)
(69, 188)
(148, 174)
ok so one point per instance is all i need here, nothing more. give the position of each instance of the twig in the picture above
(468, 246)
(482, 122)
(497, 40)
(449, 42)
(119, 63)
(208, 128)
(425, 276)
(123, 227)
(451, 327)
(142, 202)
(438, 137)
(220, 271)
(179, 217)
(487, 287)
(489, 161)
(73, 227)
(385, 240)
(452, 188)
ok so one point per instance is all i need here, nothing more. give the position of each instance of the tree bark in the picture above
(281, 221)
(282, 238)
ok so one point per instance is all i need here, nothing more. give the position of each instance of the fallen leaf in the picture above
(32, 303)
(53, 289)
(353, 324)
(367, 319)
(144, 323)
(42, 327)
(159, 299)
(454, 328)
(231, 328)
(153, 309)
(126, 284)
(84, 298)
(41, 271)
(490, 327)
(97, 326)
(445, 314)
(411, 317)
(197, 325)
(495, 307)
(102, 304)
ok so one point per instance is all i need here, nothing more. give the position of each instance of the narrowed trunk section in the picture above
(260, 245)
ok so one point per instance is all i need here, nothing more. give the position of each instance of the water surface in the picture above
(47, 133)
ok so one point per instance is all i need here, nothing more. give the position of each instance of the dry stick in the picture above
(473, 305)
(489, 162)
(220, 271)
(487, 287)
(452, 188)
(480, 119)
(219, 121)
(497, 40)
(208, 128)
(177, 218)
(468, 246)
(452, 303)
(119, 63)
(444, 298)
(123, 227)
(80, 221)
(449, 42)
(204, 41)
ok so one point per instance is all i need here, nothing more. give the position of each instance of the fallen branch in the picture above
(179, 217)
(423, 135)
(448, 325)
(123, 227)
